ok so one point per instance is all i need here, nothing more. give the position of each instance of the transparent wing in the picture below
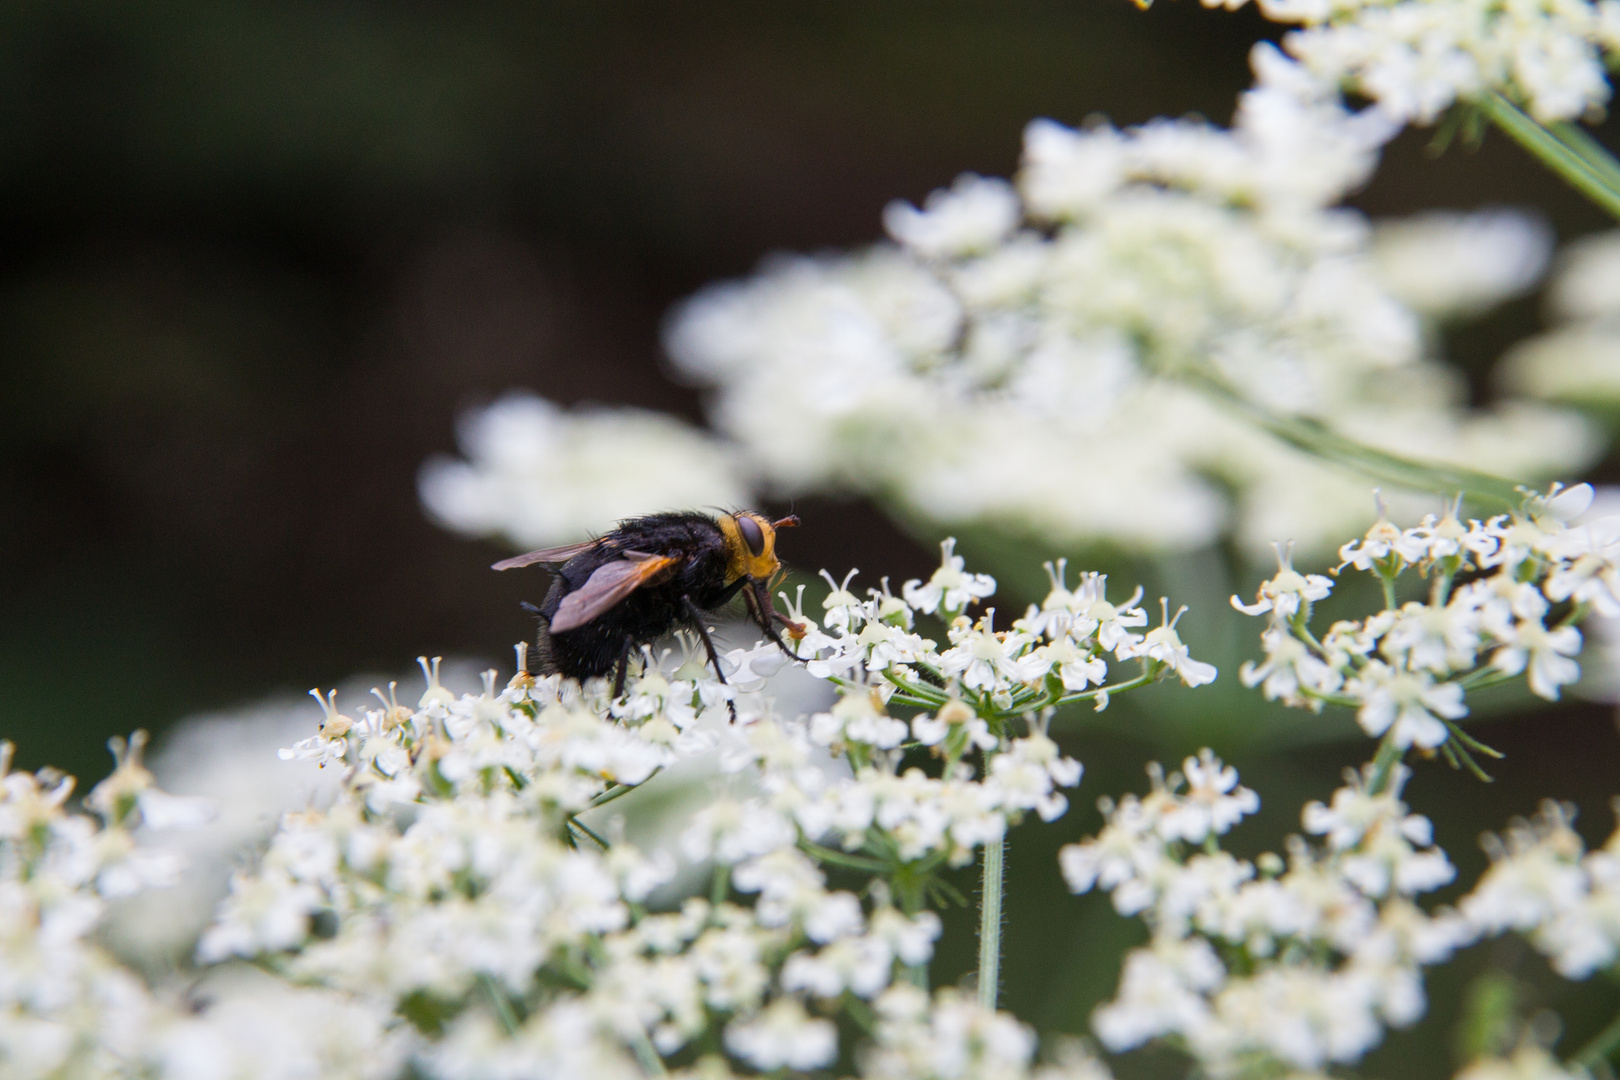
(551, 556)
(607, 586)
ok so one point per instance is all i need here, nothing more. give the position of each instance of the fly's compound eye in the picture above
(752, 535)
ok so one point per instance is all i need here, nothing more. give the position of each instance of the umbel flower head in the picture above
(1531, 577)
(468, 903)
(472, 879)
(1058, 354)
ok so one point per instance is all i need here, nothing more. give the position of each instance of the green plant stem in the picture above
(615, 792)
(1389, 755)
(720, 886)
(1600, 1048)
(1144, 679)
(588, 831)
(990, 923)
(1597, 182)
(843, 858)
(1318, 441)
(1594, 153)
(503, 1007)
(646, 1055)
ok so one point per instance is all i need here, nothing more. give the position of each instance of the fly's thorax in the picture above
(750, 546)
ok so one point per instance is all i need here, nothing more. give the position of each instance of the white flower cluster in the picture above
(470, 880)
(65, 1005)
(538, 475)
(1304, 962)
(1041, 354)
(1527, 1062)
(988, 692)
(1543, 883)
(1449, 265)
(1417, 58)
(69, 1008)
(455, 883)
(1406, 669)
(1578, 360)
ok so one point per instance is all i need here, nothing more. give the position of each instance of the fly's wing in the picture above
(608, 585)
(548, 556)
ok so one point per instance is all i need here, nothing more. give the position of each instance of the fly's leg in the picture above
(696, 617)
(622, 668)
(766, 617)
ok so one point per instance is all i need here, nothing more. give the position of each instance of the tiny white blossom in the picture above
(950, 588)
(974, 216)
(783, 1036)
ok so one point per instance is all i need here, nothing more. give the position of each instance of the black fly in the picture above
(611, 595)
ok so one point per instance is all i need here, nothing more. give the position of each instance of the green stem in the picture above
(1318, 441)
(1331, 699)
(503, 1007)
(1594, 153)
(843, 858)
(646, 1055)
(1481, 678)
(1600, 1048)
(588, 831)
(1144, 679)
(615, 792)
(1389, 755)
(990, 923)
(1595, 181)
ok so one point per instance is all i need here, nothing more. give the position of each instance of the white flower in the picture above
(987, 660)
(1011, 330)
(1025, 777)
(1382, 542)
(1449, 264)
(1213, 802)
(1546, 653)
(1539, 884)
(1410, 700)
(1415, 60)
(1290, 667)
(1527, 1062)
(1161, 991)
(1288, 591)
(974, 216)
(1163, 645)
(1379, 843)
(538, 475)
(266, 914)
(910, 937)
(950, 589)
(783, 1036)
(731, 831)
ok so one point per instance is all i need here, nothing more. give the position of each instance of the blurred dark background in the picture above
(255, 258)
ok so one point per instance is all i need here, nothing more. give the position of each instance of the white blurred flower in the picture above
(1416, 58)
(1543, 884)
(971, 218)
(1527, 1062)
(1588, 282)
(783, 1036)
(1577, 360)
(1037, 361)
(538, 475)
(1446, 264)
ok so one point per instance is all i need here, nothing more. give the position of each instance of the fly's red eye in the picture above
(751, 534)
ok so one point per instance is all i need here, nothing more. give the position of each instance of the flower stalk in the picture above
(990, 922)
(1575, 157)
